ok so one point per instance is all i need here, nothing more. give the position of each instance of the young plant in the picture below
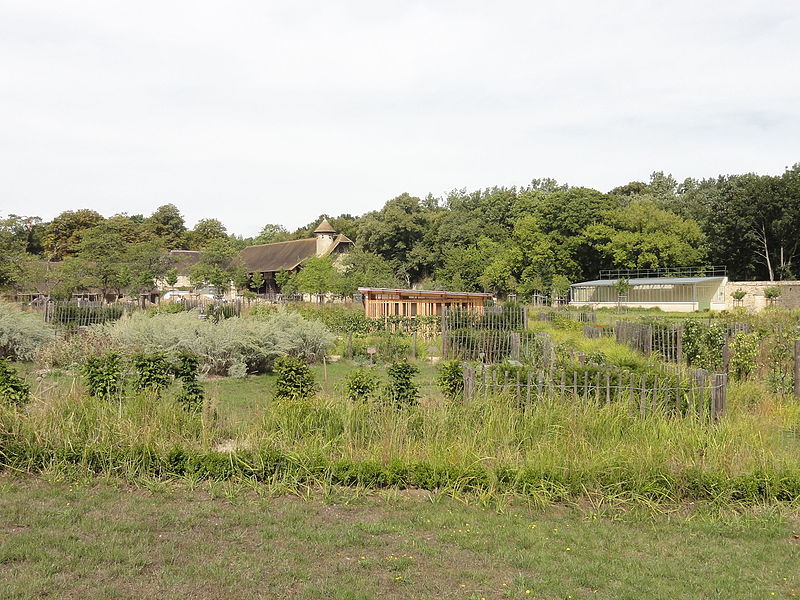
(401, 388)
(450, 379)
(153, 372)
(744, 352)
(772, 294)
(361, 384)
(295, 379)
(186, 369)
(13, 388)
(103, 374)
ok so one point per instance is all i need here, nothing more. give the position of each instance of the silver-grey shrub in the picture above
(223, 348)
(21, 333)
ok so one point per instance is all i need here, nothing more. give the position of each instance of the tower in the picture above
(325, 235)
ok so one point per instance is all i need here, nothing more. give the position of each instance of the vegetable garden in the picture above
(472, 404)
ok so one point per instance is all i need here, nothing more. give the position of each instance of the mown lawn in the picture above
(105, 539)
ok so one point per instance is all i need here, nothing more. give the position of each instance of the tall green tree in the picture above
(318, 276)
(753, 225)
(360, 268)
(393, 232)
(271, 233)
(204, 232)
(219, 266)
(167, 224)
(62, 235)
(642, 235)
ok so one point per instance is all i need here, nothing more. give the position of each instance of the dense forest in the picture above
(533, 239)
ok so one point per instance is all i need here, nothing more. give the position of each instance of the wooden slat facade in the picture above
(380, 303)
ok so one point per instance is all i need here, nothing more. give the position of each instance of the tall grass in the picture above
(558, 448)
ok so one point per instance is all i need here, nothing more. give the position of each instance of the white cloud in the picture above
(259, 112)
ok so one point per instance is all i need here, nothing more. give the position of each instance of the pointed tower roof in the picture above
(324, 227)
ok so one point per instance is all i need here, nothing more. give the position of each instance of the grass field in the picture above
(329, 497)
(107, 539)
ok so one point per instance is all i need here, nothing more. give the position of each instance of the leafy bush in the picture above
(21, 333)
(295, 379)
(401, 388)
(450, 379)
(186, 369)
(153, 372)
(13, 389)
(702, 344)
(360, 383)
(103, 374)
(393, 346)
(743, 352)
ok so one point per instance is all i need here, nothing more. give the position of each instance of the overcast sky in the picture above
(264, 112)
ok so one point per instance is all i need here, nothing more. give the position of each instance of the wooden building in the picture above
(380, 302)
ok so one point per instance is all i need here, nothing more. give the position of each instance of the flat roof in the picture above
(649, 281)
(423, 292)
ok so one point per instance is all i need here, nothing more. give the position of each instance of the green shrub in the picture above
(21, 333)
(153, 372)
(702, 344)
(450, 379)
(103, 374)
(186, 369)
(401, 388)
(13, 389)
(360, 383)
(393, 346)
(743, 354)
(295, 379)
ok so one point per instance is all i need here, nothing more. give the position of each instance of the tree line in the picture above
(524, 240)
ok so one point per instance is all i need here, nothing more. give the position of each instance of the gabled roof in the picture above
(340, 239)
(268, 258)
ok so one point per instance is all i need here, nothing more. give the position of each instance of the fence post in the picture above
(797, 367)
(469, 383)
(414, 344)
(679, 351)
(648, 340)
(719, 395)
(515, 343)
(525, 318)
(444, 333)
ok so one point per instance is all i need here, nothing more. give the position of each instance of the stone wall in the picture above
(755, 300)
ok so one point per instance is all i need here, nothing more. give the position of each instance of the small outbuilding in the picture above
(381, 302)
(672, 290)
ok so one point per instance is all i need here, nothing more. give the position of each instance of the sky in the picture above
(257, 112)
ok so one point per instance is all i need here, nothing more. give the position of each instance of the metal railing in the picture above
(707, 271)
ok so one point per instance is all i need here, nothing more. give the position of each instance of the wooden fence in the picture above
(692, 392)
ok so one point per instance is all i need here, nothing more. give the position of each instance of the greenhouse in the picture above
(677, 294)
